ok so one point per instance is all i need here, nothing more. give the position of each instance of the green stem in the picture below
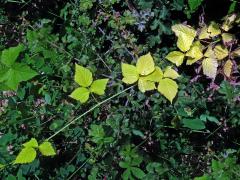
(88, 111)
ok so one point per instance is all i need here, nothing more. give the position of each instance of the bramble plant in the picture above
(211, 46)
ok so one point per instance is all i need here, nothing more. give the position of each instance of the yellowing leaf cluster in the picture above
(147, 75)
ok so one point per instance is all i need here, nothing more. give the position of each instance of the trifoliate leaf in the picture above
(195, 124)
(227, 38)
(145, 65)
(83, 76)
(80, 94)
(185, 34)
(144, 85)
(228, 22)
(168, 88)
(17, 73)
(156, 76)
(227, 68)
(130, 73)
(26, 155)
(9, 56)
(220, 52)
(213, 29)
(47, 149)
(210, 67)
(204, 33)
(210, 53)
(32, 143)
(176, 57)
(195, 54)
(99, 86)
(170, 73)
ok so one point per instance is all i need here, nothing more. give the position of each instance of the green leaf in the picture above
(144, 85)
(32, 143)
(185, 34)
(195, 124)
(47, 149)
(126, 174)
(9, 56)
(170, 73)
(83, 76)
(194, 4)
(145, 65)
(80, 94)
(130, 73)
(123, 164)
(27, 155)
(210, 67)
(137, 172)
(18, 73)
(168, 88)
(99, 86)
(176, 57)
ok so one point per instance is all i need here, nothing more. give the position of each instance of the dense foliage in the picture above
(135, 89)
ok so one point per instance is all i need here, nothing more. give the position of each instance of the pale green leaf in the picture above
(144, 85)
(130, 73)
(32, 143)
(26, 155)
(228, 38)
(83, 76)
(210, 67)
(176, 57)
(99, 86)
(80, 94)
(229, 21)
(47, 149)
(9, 56)
(185, 34)
(168, 88)
(204, 33)
(195, 53)
(210, 53)
(170, 73)
(145, 65)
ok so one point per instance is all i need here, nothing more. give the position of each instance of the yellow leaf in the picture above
(236, 52)
(204, 33)
(80, 94)
(145, 65)
(210, 67)
(168, 88)
(185, 34)
(210, 53)
(144, 85)
(220, 52)
(130, 73)
(213, 29)
(228, 22)
(83, 76)
(227, 68)
(170, 73)
(195, 53)
(227, 38)
(176, 57)
(156, 76)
